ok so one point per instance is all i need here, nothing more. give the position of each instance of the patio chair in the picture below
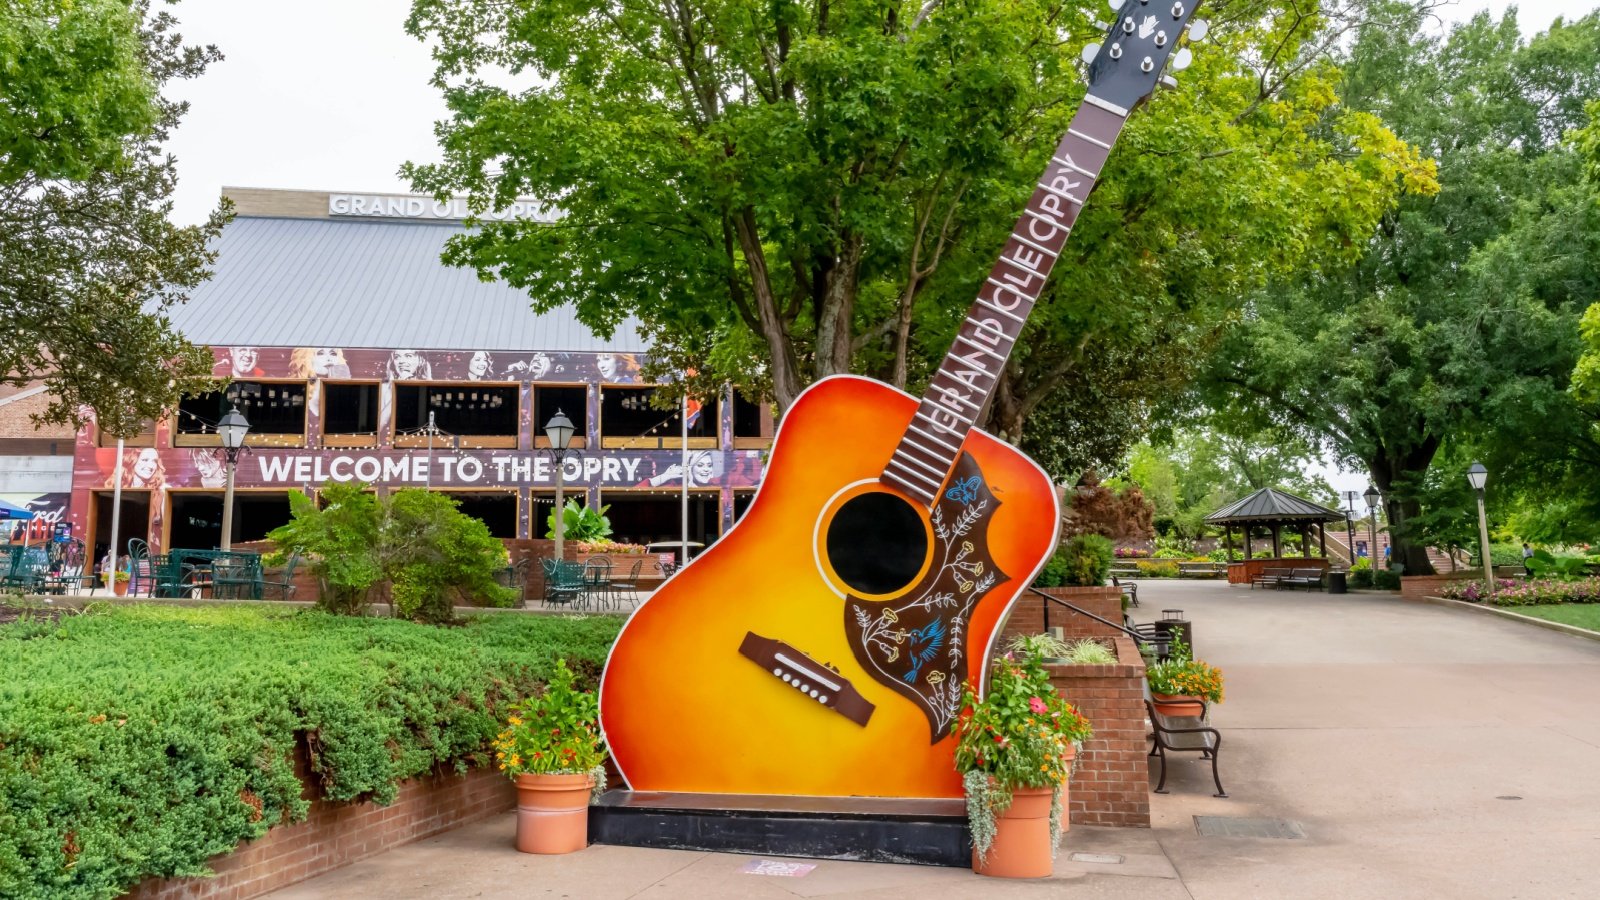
(236, 578)
(140, 575)
(597, 581)
(629, 585)
(563, 582)
(281, 582)
(69, 575)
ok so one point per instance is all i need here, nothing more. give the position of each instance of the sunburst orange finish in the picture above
(684, 711)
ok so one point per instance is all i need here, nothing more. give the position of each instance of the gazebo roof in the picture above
(1270, 505)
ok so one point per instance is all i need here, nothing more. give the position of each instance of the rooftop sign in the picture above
(411, 206)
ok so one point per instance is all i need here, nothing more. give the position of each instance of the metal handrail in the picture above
(1143, 639)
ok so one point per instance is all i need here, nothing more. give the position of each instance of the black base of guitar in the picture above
(862, 829)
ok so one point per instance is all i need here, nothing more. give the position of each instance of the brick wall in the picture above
(1415, 587)
(337, 834)
(1111, 785)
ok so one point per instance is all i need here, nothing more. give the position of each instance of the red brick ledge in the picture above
(336, 834)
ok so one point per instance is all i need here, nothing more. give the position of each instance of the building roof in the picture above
(314, 282)
(1272, 505)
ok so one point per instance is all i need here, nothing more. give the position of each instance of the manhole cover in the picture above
(1231, 826)
(1103, 858)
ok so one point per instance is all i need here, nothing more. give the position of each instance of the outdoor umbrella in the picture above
(12, 511)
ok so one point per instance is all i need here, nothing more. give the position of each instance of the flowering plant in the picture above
(604, 545)
(1181, 675)
(1017, 735)
(1532, 592)
(1131, 553)
(554, 733)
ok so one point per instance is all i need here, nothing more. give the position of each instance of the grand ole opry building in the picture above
(344, 336)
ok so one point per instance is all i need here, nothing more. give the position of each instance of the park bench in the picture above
(1270, 577)
(1124, 569)
(1306, 578)
(1130, 590)
(1201, 569)
(1182, 734)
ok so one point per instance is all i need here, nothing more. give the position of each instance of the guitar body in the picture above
(684, 710)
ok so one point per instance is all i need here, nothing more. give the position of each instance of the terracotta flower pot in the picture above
(1021, 847)
(552, 813)
(1178, 704)
(120, 588)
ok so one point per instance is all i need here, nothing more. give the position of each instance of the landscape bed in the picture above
(139, 741)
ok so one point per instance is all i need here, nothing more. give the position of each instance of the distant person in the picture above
(1527, 552)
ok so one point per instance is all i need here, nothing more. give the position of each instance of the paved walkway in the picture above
(1425, 752)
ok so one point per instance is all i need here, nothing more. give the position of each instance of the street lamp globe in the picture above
(559, 430)
(1372, 496)
(233, 428)
(1478, 475)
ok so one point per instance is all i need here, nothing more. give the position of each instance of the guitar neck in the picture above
(962, 388)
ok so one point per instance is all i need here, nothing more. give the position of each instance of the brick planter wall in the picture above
(337, 834)
(1111, 785)
(1415, 587)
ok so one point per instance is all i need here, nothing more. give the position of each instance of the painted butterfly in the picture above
(964, 491)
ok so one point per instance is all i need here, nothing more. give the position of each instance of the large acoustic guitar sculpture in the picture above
(821, 646)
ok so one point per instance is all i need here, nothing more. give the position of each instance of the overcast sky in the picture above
(335, 96)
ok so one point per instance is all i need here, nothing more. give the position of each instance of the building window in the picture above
(752, 422)
(145, 438)
(628, 420)
(495, 509)
(276, 411)
(479, 415)
(573, 401)
(349, 414)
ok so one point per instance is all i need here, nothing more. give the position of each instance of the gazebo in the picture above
(1272, 508)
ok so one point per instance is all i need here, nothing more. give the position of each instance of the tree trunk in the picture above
(834, 336)
(786, 384)
(1406, 467)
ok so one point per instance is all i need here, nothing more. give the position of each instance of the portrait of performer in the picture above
(705, 468)
(208, 468)
(408, 365)
(480, 365)
(241, 363)
(617, 368)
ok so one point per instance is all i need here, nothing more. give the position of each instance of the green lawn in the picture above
(1583, 615)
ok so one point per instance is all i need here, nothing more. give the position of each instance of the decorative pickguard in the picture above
(916, 645)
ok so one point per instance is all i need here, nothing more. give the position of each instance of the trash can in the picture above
(1336, 583)
(1173, 625)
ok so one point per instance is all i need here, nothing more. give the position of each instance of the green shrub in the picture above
(1088, 559)
(142, 740)
(1054, 571)
(1385, 580)
(1157, 569)
(1544, 564)
(431, 552)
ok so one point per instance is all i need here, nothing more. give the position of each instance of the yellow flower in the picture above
(514, 721)
(516, 760)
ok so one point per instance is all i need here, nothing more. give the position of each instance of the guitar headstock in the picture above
(1128, 64)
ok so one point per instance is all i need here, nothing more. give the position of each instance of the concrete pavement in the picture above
(1423, 751)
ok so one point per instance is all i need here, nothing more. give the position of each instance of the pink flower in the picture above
(1037, 705)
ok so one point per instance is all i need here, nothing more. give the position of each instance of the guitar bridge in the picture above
(821, 683)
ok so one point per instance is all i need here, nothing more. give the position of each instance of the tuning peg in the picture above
(1090, 51)
(1116, 50)
(1116, 5)
(1147, 64)
(1169, 81)
(1181, 60)
(1198, 29)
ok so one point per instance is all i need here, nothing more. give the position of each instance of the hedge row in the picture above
(138, 741)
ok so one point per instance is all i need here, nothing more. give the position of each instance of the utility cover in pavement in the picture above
(1232, 826)
(1103, 858)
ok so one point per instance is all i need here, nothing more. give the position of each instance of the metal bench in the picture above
(1130, 590)
(1270, 578)
(1306, 578)
(1182, 734)
(1201, 570)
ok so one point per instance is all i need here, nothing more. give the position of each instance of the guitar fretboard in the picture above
(958, 394)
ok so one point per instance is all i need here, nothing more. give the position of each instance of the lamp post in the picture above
(1350, 523)
(1479, 476)
(1372, 496)
(559, 430)
(232, 428)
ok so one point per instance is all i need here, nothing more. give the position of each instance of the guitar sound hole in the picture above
(876, 543)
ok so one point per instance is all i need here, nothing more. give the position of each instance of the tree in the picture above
(1445, 328)
(1196, 470)
(1116, 512)
(89, 262)
(787, 190)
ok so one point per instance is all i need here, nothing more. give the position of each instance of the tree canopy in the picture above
(1458, 324)
(785, 190)
(89, 261)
